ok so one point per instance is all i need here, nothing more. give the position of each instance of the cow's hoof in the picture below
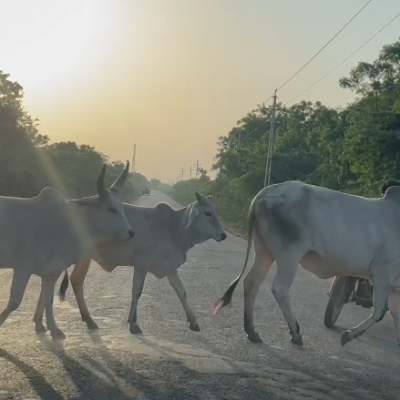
(347, 336)
(40, 328)
(135, 330)
(194, 327)
(297, 340)
(58, 334)
(91, 325)
(254, 337)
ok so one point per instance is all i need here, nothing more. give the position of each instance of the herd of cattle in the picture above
(327, 232)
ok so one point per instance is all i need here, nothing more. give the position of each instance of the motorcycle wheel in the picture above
(337, 300)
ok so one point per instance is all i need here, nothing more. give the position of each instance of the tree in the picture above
(352, 149)
(155, 184)
(28, 162)
(20, 170)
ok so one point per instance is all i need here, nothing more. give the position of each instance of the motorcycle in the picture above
(347, 289)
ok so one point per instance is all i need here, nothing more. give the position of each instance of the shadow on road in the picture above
(95, 380)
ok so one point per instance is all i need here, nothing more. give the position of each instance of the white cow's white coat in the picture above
(328, 233)
(46, 234)
(163, 236)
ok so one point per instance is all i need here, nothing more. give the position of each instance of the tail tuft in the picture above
(226, 298)
(63, 287)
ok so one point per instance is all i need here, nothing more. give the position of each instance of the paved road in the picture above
(171, 362)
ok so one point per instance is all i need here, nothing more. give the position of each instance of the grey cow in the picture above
(163, 238)
(328, 233)
(44, 235)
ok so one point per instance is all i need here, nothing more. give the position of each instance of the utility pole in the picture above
(268, 164)
(133, 168)
(190, 172)
(182, 174)
(197, 167)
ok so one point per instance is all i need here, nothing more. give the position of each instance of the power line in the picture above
(133, 167)
(323, 47)
(351, 55)
(269, 98)
(258, 127)
(197, 167)
(308, 62)
(268, 164)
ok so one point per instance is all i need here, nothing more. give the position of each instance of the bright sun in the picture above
(44, 42)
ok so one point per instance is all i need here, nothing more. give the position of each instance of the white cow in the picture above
(46, 234)
(163, 236)
(329, 233)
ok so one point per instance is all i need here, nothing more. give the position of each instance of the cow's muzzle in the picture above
(222, 237)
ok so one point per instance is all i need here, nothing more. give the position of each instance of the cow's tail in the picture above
(227, 297)
(64, 286)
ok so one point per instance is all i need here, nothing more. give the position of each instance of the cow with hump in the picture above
(163, 236)
(328, 233)
(44, 235)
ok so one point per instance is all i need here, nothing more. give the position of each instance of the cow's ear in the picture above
(80, 202)
(192, 215)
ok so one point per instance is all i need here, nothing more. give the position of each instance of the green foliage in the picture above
(28, 162)
(353, 149)
(184, 191)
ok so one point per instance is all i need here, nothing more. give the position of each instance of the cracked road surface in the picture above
(171, 362)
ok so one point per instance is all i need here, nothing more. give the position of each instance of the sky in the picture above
(174, 75)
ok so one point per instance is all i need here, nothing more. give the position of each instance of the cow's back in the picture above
(340, 227)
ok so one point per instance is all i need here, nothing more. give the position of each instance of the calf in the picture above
(163, 238)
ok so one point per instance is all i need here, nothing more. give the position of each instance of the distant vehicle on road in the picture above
(146, 191)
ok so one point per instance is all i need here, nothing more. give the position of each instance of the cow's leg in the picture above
(38, 316)
(139, 276)
(176, 283)
(77, 278)
(48, 286)
(263, 260)
(19, 282)
(381, 297)
(286, 271)
(394, 308)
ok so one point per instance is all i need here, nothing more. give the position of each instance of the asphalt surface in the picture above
(171, 362)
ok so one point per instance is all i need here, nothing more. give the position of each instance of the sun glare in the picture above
(45, 42)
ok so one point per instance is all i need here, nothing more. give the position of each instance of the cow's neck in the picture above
(82, 226)
(186, 237)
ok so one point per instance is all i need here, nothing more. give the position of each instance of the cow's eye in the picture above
(208, 214)
(112, 210)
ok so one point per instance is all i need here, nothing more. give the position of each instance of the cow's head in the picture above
(203, 219)
(106, 211)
